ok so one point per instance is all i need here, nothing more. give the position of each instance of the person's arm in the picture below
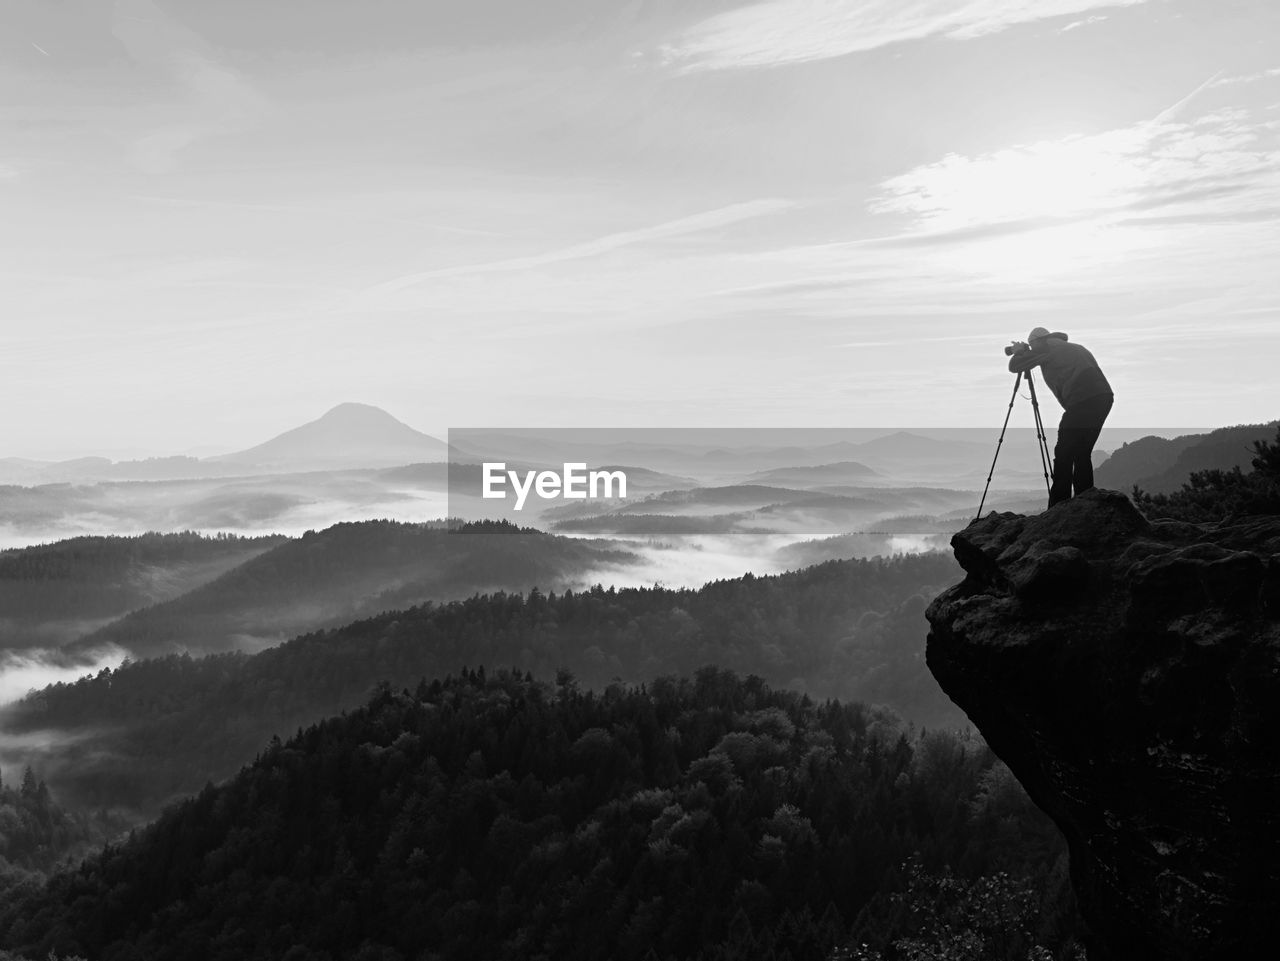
(1026, 359)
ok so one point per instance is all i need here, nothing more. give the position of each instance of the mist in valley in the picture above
(287, 540)
(22, 672)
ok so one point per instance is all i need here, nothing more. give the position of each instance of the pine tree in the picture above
(29, 785)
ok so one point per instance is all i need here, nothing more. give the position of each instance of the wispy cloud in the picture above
(777, 32)
(1272, 74)
(1158, 191)
(326, 211)
(707, 220)
(220, 97)
(1220, 163)
(1087, 21)
(1156, 214)
(1168, 113)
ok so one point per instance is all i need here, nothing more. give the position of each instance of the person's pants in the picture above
(1072, 456)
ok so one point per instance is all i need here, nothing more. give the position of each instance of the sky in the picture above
(218, 220)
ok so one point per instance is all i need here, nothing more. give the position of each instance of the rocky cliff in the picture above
(1128, 671)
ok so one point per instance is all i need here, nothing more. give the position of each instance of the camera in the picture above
(1017, 347)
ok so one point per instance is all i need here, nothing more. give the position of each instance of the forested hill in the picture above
(37, 834)
(151, 730)
(352, 570)
(496, 817)
(53, 593)
(1161, 465)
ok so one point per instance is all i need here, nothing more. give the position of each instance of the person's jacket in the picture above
(1069, 370)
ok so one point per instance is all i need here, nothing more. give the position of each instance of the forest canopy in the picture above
(491, 815)
(155, 730)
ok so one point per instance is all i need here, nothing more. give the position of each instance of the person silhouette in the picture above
(1086, 397)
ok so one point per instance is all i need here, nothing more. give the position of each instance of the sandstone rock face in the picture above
(1128, 672)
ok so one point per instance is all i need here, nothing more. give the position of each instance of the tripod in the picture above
(1046, 462)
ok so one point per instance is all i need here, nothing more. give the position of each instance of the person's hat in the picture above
(1041, 332)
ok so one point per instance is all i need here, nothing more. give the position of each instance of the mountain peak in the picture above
(352, 409)
(346, 436)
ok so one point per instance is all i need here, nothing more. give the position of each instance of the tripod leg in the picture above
(1044, 453)
(1042, 442)
(1016, 381)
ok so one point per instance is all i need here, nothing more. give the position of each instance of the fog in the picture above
(693, 560)
(24, 671)
(292, 519)
(912, 543)
(319, 514)
(689, 561)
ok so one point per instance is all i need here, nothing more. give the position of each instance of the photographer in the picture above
(1081, 388)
